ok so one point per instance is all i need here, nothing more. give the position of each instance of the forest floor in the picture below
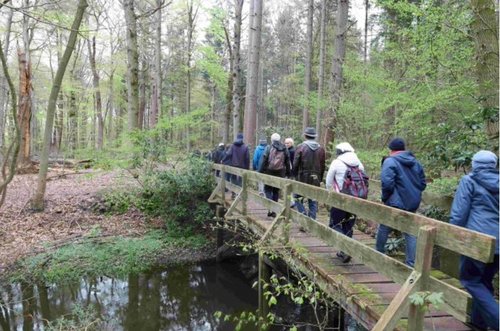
(74, 209)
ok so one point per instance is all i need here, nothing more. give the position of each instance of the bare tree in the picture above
(337, 66)
(308, 67)
(321, 71)
(192, 13)
(156, 93)
(38, 198)
(236, 74)
(133, 64)
(4, 97)
(253, 72)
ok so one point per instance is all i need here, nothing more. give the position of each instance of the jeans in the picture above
(342, 221)
(272, 192)
(313, 206)
(477, 278)
(411, 243)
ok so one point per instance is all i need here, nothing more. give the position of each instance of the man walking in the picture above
(309, 167)
(403, 181)
(239, 157)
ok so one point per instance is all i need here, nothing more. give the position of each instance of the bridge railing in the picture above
(429, 232)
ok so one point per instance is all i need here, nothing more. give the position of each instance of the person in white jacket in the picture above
(340, 220)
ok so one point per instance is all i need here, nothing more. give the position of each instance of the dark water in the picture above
(176, 298)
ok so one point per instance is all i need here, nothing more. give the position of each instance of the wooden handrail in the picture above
(463, 241)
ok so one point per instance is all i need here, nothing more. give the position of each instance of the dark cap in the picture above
(239, 136)
(310, 132)
(397, 144)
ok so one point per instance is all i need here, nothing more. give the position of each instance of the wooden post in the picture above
(244, 194)
(423, 261)
(223, 185)
(286, 213)
(219, 213)
(264, 276)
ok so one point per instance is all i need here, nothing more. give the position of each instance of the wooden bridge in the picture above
(373, 288)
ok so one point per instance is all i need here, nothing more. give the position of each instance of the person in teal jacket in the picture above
(257, 156)
(475, 207)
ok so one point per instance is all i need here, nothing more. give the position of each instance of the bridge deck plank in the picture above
(323, 259)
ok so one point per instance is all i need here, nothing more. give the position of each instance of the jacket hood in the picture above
(487, 178)
(484, 160)
(312, 144)
(238, 142)
(220, 148)
(350, 158)
(406, 158)
(261, 147)
(278, 145)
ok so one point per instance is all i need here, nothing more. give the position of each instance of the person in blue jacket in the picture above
(475, 207)
(403, 181)
(257, 155)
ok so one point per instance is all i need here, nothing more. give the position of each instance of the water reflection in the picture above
(179, 298)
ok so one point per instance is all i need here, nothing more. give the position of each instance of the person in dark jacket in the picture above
(237, 156)
(475, 207)
(403, 181)
(218, 155)
(275, 162)
(309, 167)
(257, 156)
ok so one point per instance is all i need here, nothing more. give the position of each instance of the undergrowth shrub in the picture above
(179, 195)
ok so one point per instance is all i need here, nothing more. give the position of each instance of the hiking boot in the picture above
(344, 257)
(271, 214)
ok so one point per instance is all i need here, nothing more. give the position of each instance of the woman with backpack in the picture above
(338, 179)
(275, 162)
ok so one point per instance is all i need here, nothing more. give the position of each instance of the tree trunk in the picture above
(337, 66)
(485, 32)
(156, 92)
(142, 98)
(24, 106)
(308, 67)
(97, 92)
(191, 19)
(133, 65)
(321, 71)
(37, 202)
(4, 90)
(252, 81)
(237, 81)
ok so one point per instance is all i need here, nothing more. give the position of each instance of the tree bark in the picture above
(337, 73)
(97, 92)
(191, 19)
(133, 65)
(24, 106)
(252, 81)
(321, 71)
(485, 32)
(4, 93)
(237, 81)
(37, 202)
(156, 92)
(308, 67)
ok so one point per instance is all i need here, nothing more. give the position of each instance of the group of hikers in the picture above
(475, 206)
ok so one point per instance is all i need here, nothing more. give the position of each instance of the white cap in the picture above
(275, 137)
(344, 147)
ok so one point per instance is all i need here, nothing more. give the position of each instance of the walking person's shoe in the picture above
(344, 257)
(271, 214)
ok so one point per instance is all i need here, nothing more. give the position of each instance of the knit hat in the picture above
(344, 147)
(239, 136)
(484, 159)
(275, 137)
(310, 132)
(397, 144)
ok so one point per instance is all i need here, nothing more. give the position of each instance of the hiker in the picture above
(403, 181)
(217, 156)
(291, 149)
(344, 171)
(475, 207)
(239, 157)
(308, 167)
(275, 162)
(257, 156)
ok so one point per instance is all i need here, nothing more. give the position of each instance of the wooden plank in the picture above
(457, 301)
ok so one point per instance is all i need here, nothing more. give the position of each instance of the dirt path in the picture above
(69, 213)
